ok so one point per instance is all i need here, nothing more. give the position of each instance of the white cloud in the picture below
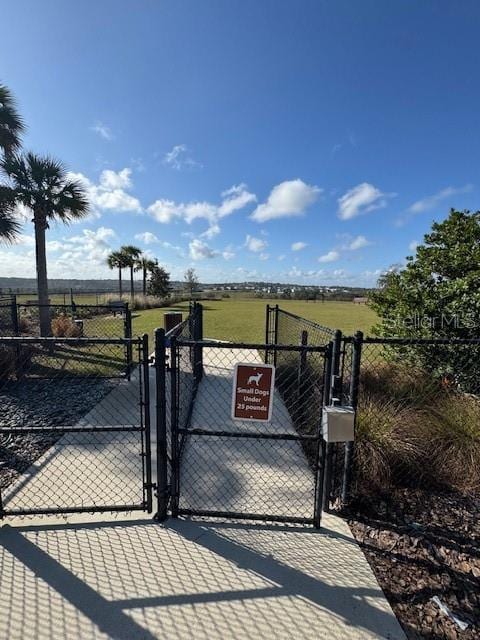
(147, 237)
(25, 240)
(361, 199)
(179, 157)
(331, 256)
(359, 243)
(281, 257)
(199, 250)
(110, 194)
(264, 256)
(413, 246)
(102, 130)
(237, 197)
(111, 180)
(298, 246)
(430, 202)
(255, 244)
(163, 211)
(289, 198)
(234, 199)
(228, 253)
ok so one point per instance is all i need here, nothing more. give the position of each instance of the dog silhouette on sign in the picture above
(256, 379)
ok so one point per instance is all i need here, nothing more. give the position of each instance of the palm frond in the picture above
(9, 227)
(11, 124)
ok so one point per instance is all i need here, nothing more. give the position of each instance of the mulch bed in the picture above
(422, 544)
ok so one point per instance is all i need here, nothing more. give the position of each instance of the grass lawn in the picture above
(243, 319)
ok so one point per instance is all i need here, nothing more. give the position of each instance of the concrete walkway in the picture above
(240, 474)
(129, 577)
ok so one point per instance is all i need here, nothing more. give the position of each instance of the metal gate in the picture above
(246, 469)
(74, 425)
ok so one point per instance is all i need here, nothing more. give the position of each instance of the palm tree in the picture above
(11, 124)
(130, 255)
(145, 265)
(116, 260)
(11, 128)
(42, 185)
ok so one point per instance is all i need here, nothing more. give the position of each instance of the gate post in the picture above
(16, 328)
(161, 425)
(127, 323)
(354, 389)
(275, 335)
(336, 381)
(175, 470)
(146, 422)
(198, 337)
(327, 400)
(302, 368)
(267, 332)
(321, 451)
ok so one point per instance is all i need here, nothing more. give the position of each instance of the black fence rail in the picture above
(73, 436)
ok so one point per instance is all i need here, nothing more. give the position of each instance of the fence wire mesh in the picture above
(73, 435)
(75, 321)
(418, 416)
(8, 316)
(246, 467)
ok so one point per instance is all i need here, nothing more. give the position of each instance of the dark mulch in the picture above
(422, 544)
(47, 405)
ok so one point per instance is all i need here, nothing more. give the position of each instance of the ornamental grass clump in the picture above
(454, 441)
(390, 448)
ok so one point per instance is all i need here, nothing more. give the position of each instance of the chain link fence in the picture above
(73, 435)
(240, 468)
(418, 418)
(8, 315)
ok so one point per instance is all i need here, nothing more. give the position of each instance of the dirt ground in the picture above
(421, 545)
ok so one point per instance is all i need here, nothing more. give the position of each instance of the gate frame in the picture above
(176, 430)
(144, 430)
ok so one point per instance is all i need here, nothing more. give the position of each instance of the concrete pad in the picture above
(132, 578)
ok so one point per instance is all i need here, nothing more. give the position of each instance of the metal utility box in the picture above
(338, 424)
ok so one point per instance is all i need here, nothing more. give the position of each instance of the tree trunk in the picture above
(131, 282)
(40, 225)
(144, 282)
(120, 282)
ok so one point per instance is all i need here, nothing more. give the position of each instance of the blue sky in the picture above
(296, 141)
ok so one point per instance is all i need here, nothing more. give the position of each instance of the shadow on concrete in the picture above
(138, 579)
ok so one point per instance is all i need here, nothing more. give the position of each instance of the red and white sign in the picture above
(252, 397)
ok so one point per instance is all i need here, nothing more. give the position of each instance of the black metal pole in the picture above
(337, 346)
(161, 425)
(128, 334)
(267, 331)
(146, 423)
(198, 349)
(174, 427)
(322, 450)
(354, 390)
(275, 337)
(327, 467)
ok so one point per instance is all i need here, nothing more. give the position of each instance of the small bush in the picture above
(65, 327)
(391, 447)
(454, 441)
